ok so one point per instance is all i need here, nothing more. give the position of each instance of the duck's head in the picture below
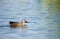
(24, 21)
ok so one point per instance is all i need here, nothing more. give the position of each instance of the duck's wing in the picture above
(12, 22)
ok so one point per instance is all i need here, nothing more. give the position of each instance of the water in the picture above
(33, 12)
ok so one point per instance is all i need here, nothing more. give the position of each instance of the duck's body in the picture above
(17, 24)
(14, 24)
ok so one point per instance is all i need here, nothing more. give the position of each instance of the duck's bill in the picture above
(26, 22)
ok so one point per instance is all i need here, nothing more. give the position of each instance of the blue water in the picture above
(33, 12)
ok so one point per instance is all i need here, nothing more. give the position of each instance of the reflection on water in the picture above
(43, 22)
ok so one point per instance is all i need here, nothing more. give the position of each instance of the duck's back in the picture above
(14, 24)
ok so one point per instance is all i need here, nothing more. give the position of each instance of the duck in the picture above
(21, 24)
